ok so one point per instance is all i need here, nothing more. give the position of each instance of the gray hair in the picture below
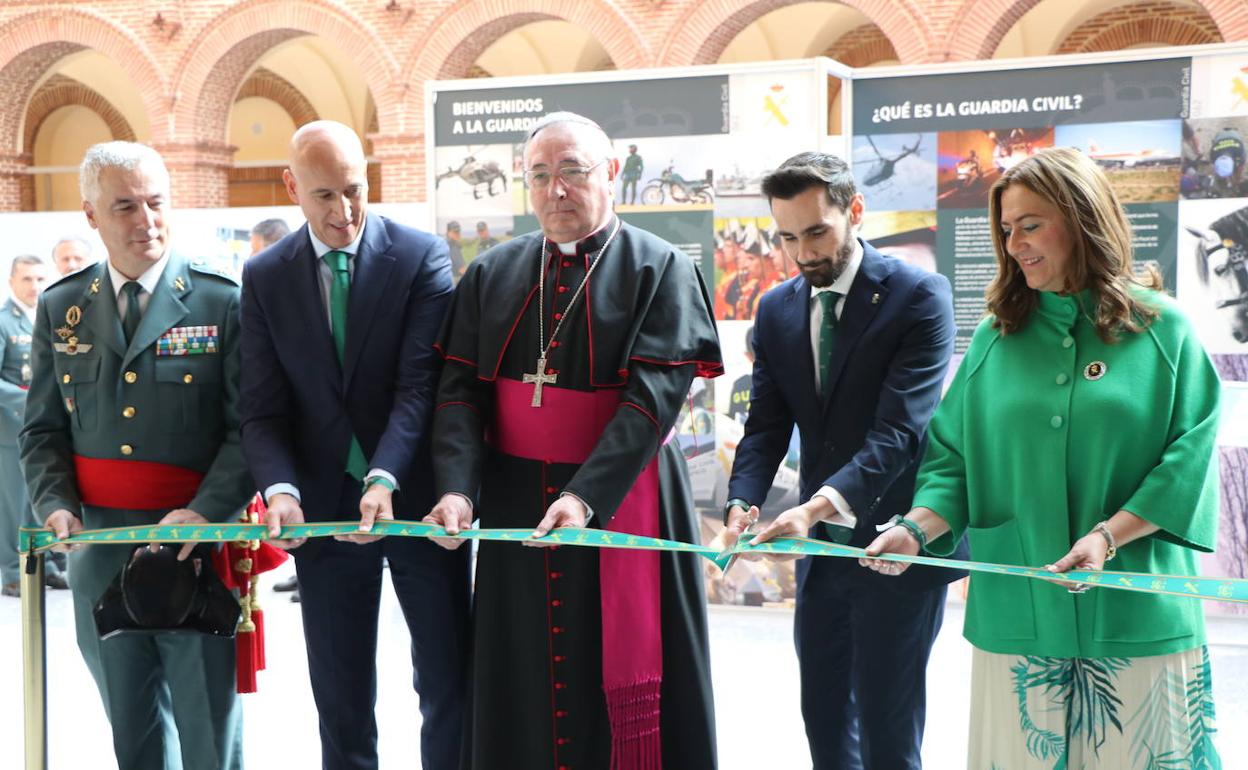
(23, 259)
(564, 118)
(271, 230)
(123, 155)
(71, 239)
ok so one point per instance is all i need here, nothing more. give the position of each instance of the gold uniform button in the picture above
(65, 379)
(128, 412)
(131, 377)
(187, 379)
(126, 449)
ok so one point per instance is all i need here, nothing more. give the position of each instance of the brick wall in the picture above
(1147, 22)
(191, 60)
(862, 46)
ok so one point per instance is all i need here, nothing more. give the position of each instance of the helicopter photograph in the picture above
(897, 172)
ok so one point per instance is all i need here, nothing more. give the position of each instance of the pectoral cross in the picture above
(539, 378)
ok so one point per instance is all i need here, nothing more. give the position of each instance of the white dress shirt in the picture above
(326, 275)
(147, 284)
(844, 512)
(29, 312)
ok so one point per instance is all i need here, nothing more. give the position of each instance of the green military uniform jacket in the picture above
(15, 370)
(94, 396)
(632, 167)
(1048, 430)
(159, 400)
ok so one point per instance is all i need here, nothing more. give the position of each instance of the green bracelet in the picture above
(382, 480)
(914, 529)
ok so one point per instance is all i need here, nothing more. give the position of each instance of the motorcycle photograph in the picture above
(680, 190)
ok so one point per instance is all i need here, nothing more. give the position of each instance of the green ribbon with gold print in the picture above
(1195, 587)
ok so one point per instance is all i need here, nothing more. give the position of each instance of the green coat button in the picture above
(1068, 342)
(1062, 379)
(1056, 422)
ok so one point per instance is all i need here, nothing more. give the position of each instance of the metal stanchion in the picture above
(34, 662)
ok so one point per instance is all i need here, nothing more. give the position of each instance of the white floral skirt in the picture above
(1036, 713)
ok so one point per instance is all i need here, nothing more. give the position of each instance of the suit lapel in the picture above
(99, 313)
(797, 317)
(866, 294)
(311, 315)
(373, 266)
(164, 310)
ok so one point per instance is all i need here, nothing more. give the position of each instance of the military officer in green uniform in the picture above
(633, 166)
(132, 418)
(27, 275)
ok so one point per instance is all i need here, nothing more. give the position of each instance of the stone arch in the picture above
(979, 26)
(59, 91)
(214, 67)
(1165, 23)
(32, 43)
(704, 30)
(862, 46)
(267, 84)
(451, 44)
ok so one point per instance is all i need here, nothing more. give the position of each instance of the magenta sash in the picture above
(565, 429)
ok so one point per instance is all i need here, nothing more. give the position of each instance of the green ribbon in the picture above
(1211, 588)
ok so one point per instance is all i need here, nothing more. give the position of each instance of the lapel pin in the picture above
(95, 286)
(178, 283)
(1095, 370)
(875, 298)
(73, 316)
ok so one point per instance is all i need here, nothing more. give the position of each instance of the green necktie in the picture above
(827, 337)
(339, 295)
(130, 321)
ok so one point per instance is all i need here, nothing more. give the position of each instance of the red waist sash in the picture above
(136, 485)
(565, 429)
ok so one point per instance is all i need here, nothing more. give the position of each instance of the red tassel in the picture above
(257, 617)
(245, 651)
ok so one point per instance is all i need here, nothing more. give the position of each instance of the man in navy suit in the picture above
(853, 351)
(339, 376)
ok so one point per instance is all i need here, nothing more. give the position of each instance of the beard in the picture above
(824, 272)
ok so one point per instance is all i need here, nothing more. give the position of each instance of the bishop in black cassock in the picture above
(582, 657)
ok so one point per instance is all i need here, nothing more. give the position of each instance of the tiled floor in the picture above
(755, 689)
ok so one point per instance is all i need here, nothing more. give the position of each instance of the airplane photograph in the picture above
(1141, 158)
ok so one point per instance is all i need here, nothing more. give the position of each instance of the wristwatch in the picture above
(742, 504)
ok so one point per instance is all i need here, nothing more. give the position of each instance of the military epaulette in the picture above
(77, 275)
(208, 268)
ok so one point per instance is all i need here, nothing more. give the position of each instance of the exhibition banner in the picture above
(925, 149)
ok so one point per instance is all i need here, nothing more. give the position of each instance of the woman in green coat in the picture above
(1079, 428)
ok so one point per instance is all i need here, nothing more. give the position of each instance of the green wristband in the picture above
(914, 529)
(382, 480)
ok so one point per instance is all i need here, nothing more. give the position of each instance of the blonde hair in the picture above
(1100, 258)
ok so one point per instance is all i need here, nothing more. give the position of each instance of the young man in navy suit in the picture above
(339, 376)
(853, 351)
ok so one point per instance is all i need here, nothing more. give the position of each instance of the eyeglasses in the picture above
(572, 176)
